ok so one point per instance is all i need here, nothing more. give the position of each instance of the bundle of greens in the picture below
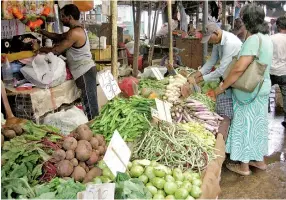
(37, 132)
(130, 188)
(207, 86)
(58, 189)
(23, 161)
(125, 115)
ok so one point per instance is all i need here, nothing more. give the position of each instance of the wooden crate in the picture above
(102, 54)
(192, 56)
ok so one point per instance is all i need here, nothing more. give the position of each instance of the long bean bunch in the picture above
(173, 146)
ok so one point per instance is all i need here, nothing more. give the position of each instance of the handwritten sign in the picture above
(164, 110)
(157, 73)
(154, 113)
(117, 155)
(108, 84)
(98, 191)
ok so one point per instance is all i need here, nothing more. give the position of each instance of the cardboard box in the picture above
(101, 54)
(101, 98)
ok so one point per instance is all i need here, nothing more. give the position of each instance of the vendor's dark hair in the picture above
(281, 23)
(253, 19)
(71, 10)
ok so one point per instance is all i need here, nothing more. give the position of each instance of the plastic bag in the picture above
(46, 71)
(66, 121)
(128, 86)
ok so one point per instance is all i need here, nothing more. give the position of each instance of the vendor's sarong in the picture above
(88, 86)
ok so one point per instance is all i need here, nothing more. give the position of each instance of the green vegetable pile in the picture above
(207, 86)
(173, 146)
(204, 99)
(37, 132)
(130, 188)
(147, 86)
(23, 166)
(125, 115)
(58, 189)
(165, 183)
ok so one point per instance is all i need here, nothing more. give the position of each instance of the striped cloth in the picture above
(248, 134)
(224, 104)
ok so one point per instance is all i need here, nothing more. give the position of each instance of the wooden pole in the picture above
(153, 35)
(137, 39)
(114, 59)
(205, 21)
(223, 15)
(149, 20)
(171, 60)
(134, 18)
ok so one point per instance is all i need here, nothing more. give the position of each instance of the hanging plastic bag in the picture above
(84, 6)
(66, 121)
(46, 71)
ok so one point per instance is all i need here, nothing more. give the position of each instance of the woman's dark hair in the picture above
(253, 19)
(281, 23)
(71, 10)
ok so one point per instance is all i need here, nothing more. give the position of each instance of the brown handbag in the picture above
(252, 76)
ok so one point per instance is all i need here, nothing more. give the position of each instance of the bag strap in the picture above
(259, 48)
(249, 102)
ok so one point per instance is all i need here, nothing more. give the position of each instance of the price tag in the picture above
(108, 84)
(157, 73)
(98, 191)
(154, 113)
(117, 155)
(164, 110)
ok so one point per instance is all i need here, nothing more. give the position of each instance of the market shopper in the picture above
(79, 59)
(247, 141)
(278, 68)
(225, 46)
(239, 29)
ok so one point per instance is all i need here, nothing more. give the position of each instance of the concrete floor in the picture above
(269, 184)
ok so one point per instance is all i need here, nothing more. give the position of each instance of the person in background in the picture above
(177, 59)
(273, 27)
(79, 59)
(225, 47)
(278, 68)
(191, 30)
(247, 141)
(239, 29)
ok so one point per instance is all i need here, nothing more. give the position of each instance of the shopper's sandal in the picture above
(253, 164)
(236, 168)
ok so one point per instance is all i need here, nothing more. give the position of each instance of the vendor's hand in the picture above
(219, 90)
(199, 79)
(197, 74)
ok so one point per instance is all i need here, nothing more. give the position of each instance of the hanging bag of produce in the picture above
(84, 6)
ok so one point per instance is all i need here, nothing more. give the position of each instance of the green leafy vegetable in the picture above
(59, 189)
(131, 189)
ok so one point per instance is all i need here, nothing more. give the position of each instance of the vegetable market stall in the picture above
(35, 103)
(176, 151)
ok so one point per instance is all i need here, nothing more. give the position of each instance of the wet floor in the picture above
(269, 184)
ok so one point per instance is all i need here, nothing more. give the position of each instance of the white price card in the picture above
(157, 73)
(164, 110)
(108, 84)
(154, 113)
(98, 191)
(117, 155)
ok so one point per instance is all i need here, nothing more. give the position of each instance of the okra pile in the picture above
(127, 116)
